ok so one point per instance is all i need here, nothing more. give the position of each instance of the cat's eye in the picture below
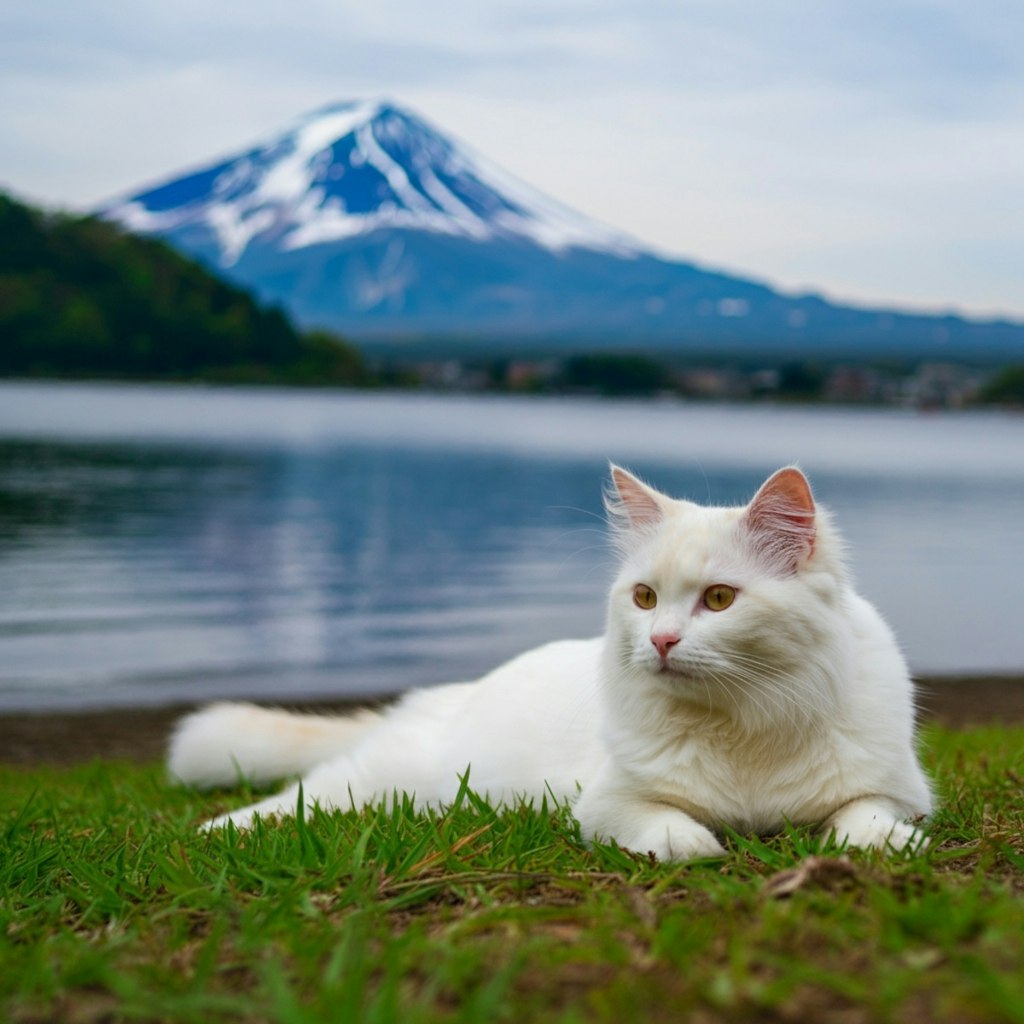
(644, 597)
(718, 597)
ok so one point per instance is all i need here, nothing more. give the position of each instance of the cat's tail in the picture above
(226, 742)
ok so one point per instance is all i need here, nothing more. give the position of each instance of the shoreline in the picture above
(140, 734)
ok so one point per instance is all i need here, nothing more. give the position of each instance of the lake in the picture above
(166, 544)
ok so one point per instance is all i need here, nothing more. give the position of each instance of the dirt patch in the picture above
(140, 734)
(130, 734)
(961, 701)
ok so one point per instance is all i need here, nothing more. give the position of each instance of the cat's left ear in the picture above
(781, 520)
(633, 501)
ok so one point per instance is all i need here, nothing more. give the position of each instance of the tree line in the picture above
(79, 297)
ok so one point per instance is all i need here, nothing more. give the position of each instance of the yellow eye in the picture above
(644, 597)
(718, 597)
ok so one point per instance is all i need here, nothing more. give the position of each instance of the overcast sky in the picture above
(869, 149)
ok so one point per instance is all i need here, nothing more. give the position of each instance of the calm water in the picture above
(169, 544)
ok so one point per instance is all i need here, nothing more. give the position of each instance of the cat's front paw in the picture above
(281, 805)
(243, 820)
(672, 836)
(870, 825)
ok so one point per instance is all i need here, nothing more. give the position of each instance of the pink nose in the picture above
(664, 642)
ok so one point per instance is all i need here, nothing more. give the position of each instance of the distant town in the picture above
(924, 385)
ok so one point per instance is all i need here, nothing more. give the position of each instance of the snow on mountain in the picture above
(350, 169)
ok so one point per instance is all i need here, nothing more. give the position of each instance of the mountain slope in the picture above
(362, 218)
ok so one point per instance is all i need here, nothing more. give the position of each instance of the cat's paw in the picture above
(872, 826)
(281, 805)
(242, 820)
(672, 836)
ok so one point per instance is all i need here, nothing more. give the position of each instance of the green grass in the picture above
(113, 908)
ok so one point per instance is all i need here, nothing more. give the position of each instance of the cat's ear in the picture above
(632, 502)
(780, 520)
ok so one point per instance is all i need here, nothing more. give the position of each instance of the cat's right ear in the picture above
(632, 502)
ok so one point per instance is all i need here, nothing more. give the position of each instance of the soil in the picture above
(140, 734)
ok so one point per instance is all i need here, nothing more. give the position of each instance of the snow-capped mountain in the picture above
(349, 170)
(363, 218)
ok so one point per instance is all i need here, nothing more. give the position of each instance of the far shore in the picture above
(140, 734)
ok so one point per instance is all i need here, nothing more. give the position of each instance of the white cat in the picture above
(741, 682)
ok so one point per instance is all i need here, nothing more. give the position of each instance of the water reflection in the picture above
(132, 574)
(169, 569)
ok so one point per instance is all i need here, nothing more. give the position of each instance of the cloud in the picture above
(873, 148)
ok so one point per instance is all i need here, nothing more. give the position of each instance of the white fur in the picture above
(794, 704)
(227, 742)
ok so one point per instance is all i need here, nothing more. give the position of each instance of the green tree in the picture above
(615, 375)
(1006, 388)
(80, 297)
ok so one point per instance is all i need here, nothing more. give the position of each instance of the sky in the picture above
(868, 150)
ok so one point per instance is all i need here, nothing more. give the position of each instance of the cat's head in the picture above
(733, 607)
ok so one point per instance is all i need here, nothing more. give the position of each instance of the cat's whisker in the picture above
(711, 706)
(603, 519)
(576, 530)
(568, 556)
(724, 684)
(762, 699)
(745, 677)
(801, 709)
(762, 693)
(814, 700)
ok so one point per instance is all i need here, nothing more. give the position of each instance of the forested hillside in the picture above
(80, 297)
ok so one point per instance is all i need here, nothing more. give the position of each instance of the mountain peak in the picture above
(351, 168)
(362, 217)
